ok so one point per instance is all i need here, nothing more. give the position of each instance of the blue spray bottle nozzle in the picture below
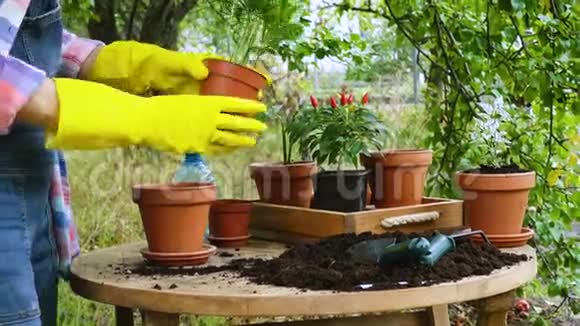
(192, 158)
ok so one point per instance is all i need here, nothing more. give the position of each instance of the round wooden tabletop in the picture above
(96, 276)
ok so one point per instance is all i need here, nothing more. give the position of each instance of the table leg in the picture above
(493, 311)
(123, 316)
(151, 318)
(438, 315)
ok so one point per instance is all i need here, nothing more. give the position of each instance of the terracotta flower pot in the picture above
(495, 203)
(281, 184)
(397, 177)
(229, 218)
(230, 79)
(174, 215)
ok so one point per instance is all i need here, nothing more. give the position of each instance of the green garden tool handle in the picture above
(406, 251)
(439, 245)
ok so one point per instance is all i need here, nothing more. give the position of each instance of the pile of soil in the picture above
(327, 266)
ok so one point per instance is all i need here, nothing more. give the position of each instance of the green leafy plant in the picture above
(525, 52)
(293, 123)
(337, 133)
(495, 126)
(257, 27)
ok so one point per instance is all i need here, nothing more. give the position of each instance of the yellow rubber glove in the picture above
(94, 116)
(140, 69)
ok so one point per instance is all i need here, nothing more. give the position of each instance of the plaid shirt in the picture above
(18, 81)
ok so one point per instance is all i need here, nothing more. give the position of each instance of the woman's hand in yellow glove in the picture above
(93, 116)
(140, 68)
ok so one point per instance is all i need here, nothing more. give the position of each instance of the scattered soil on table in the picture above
(226, 254)
(490, 169)
(327, 266)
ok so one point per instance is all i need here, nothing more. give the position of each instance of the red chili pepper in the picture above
(333, 103)
(313, 101)
(365, 98)
(350, 99)
(343, 98)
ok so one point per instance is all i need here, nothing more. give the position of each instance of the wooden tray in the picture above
(298, 224)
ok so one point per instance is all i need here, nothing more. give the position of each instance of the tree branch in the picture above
(129, 29)
(515, 25)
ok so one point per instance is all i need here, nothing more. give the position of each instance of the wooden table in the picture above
(94, 277)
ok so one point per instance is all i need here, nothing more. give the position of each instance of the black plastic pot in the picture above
(342, 191)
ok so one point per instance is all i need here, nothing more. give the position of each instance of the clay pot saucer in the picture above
(229, 242)
(179, 258)
(508, 240)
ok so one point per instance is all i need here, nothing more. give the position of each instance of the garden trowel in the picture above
(427, 251)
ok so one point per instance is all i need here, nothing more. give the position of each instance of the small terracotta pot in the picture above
(495, 203)
(281, 184)
(229, 218)
(230, 79)
(397, 177)
(174, 215)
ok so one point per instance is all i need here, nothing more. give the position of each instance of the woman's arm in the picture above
(19, 81)
(78, 55)
(42, 108)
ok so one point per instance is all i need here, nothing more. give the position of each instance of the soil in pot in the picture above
(230, 79)
(284, 184)
(397, 178)
(174, 216)
(342, 191)
(495, 202)
(327, 266)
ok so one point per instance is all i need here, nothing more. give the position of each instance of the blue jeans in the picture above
(28, 258)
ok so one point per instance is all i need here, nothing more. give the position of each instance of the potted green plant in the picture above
(288, 182)
(252, 29)
(335, 137)
(495, 194)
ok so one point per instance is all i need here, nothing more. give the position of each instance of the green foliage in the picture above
(252, 28)
(524, 52)
(76, 13)
(385, 55)
(337, 134)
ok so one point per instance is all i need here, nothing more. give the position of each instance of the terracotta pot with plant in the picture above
(288, 182)
(496, 193)
(259, 27)
(174, 217)
(336, 135)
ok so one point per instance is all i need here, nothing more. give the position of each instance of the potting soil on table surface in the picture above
(327, 266)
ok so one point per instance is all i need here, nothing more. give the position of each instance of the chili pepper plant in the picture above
(337, 132)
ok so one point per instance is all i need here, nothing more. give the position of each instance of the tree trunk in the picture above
(159, 22)
(104, 26)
